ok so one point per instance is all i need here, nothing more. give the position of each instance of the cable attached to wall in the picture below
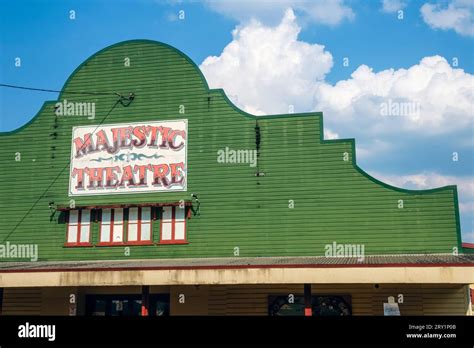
(53, 90)
(124, 101)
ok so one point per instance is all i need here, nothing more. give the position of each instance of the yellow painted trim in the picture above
(360, 275)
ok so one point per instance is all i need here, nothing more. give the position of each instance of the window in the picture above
(78, 227)
(139, 225)
(111, 227)
(126, 305)
(173, 225)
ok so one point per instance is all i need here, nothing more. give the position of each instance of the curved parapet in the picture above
(291, 194)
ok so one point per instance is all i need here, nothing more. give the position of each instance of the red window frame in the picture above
(111, 236)
(139, 227)
(173, 225)
(78, 233)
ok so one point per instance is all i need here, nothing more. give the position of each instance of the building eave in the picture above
(241, 271)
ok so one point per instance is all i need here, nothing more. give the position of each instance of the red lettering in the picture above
(95, 177)
(160, 172)
(80, 177)
(127, 175)
(83, 146)
(175, 173)
(165, 134)
(122, 136)
(101, 140)
(111, 177)
(154, 137)
(172, 137)
(140, 133)
(141, 173)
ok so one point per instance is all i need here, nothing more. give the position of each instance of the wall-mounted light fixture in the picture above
(195, 199)
(52, 209)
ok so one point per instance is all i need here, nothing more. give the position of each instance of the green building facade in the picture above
(222, 184)
(301, 192)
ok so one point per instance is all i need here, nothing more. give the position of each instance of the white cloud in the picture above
(391, 6)
(375, 147)
(435, 97)
(328, 12)
(457, 15)
(266, 69)
(329, 134)
(466, 207)
(429, 180)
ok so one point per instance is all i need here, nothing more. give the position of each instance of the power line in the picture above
(119, 101)
(53, 90)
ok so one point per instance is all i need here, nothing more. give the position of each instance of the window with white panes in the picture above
(111, 226)
(173, 225)
(139, 229)
(78, 227)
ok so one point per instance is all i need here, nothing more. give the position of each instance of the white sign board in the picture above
(391, 309)
(129, 158)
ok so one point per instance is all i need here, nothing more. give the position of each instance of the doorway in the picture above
(126, 305)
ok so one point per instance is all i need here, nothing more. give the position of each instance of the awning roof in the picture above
(421, 260)
(389, 269)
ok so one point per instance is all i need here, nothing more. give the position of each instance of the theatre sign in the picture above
(128, 158)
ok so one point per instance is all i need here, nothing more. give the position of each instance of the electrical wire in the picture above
(53, 90)
(119, 101)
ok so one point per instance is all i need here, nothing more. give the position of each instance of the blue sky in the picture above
(408, 152)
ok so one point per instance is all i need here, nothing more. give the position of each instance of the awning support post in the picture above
(145, 300)
(308, 311)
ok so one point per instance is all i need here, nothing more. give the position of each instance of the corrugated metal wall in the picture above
(333, 199)
(22, 301)
(248, 299)
(366, 300)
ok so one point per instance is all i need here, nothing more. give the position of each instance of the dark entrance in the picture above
(126, 305)
(321, 305)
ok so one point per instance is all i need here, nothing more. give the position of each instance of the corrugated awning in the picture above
(422, 260)
(397, 269)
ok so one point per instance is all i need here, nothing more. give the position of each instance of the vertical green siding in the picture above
(334, 200)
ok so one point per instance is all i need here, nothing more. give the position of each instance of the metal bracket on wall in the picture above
(126, 101)
(197, 210)
(52, 209)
